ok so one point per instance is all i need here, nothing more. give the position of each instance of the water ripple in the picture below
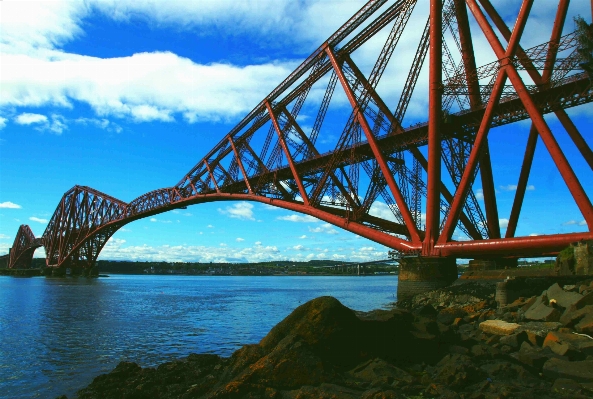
(58, 334)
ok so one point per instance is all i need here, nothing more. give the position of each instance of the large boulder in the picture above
(562, 297)
(579, 371)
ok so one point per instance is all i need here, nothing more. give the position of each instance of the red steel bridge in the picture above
(429, 168)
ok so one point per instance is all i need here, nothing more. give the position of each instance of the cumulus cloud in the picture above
(156, 91)
(324, 228)
(57, 124)
(29, 119)
(503, 223)
(4, 237)
(574, 222)
(9, 205)
(153, 220)
(241, 210)
(38, 220)
(39, 73)
(298, 218)
(479, 194)
(2, 122)
(303, 237)
(239, 239)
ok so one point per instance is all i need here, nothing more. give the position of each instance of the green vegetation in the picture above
(585, 48)
(313, 267)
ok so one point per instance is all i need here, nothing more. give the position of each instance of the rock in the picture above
(377, 393)
(426, 311)
(498, 327)
(448, 315)
(565, 386)
(572, 315)
(542, 312)
(462, 350)
(579, 371)
(379, 370)
(575, 346)
(529, 303)
(562, 297)
(585, 326)
(538, 330)
(531, 356)
(514, 340)
(584, 301)
(457, 371)
(325, 391)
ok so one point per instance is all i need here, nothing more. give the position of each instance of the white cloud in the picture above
(29, 119)
(241, 210)
(41, 122)
(503, 223)
(156, 91)
(210, 226)
(583, 223)
(103, 123)
(324, 228)
(153, 220)
(382, 210)
(222, 244)
(570, 222)
(513, 187)
(4, 237)
(298, 218)
(9, 205)
(303, 236)
(479, 194)
(38, 220)
(239, 239)
(2, 122)
(299, 248)
(534, 234)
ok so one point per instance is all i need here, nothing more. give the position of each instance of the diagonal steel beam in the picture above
(395, 191)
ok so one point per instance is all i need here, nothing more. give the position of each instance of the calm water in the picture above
(56, 335)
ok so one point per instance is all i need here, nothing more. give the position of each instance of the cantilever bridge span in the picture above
(431, 167)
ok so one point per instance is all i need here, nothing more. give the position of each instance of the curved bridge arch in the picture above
(269, 157)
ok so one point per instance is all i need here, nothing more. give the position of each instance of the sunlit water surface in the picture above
(56, 335)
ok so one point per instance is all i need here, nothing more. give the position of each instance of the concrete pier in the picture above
(417, 275)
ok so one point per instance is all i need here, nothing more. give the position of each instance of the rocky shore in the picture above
(455, 342)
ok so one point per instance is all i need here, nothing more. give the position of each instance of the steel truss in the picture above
(269, 157)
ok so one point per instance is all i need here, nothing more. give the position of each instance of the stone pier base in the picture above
(491, 264)
(417, 275)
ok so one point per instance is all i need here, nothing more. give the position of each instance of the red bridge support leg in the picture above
(421, 274)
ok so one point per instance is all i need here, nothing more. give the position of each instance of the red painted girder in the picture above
(311, 148)
(238, 158)
(464, 185)
(409, 221)
(211, 175)
(561, 114)
(435, 106)
(516, 247)
(532, 139)
(295, 174)
(546, 134)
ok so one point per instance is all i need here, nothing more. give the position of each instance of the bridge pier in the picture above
(492, 264)
(419, 274)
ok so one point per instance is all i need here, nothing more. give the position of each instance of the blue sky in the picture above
(127, 96)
